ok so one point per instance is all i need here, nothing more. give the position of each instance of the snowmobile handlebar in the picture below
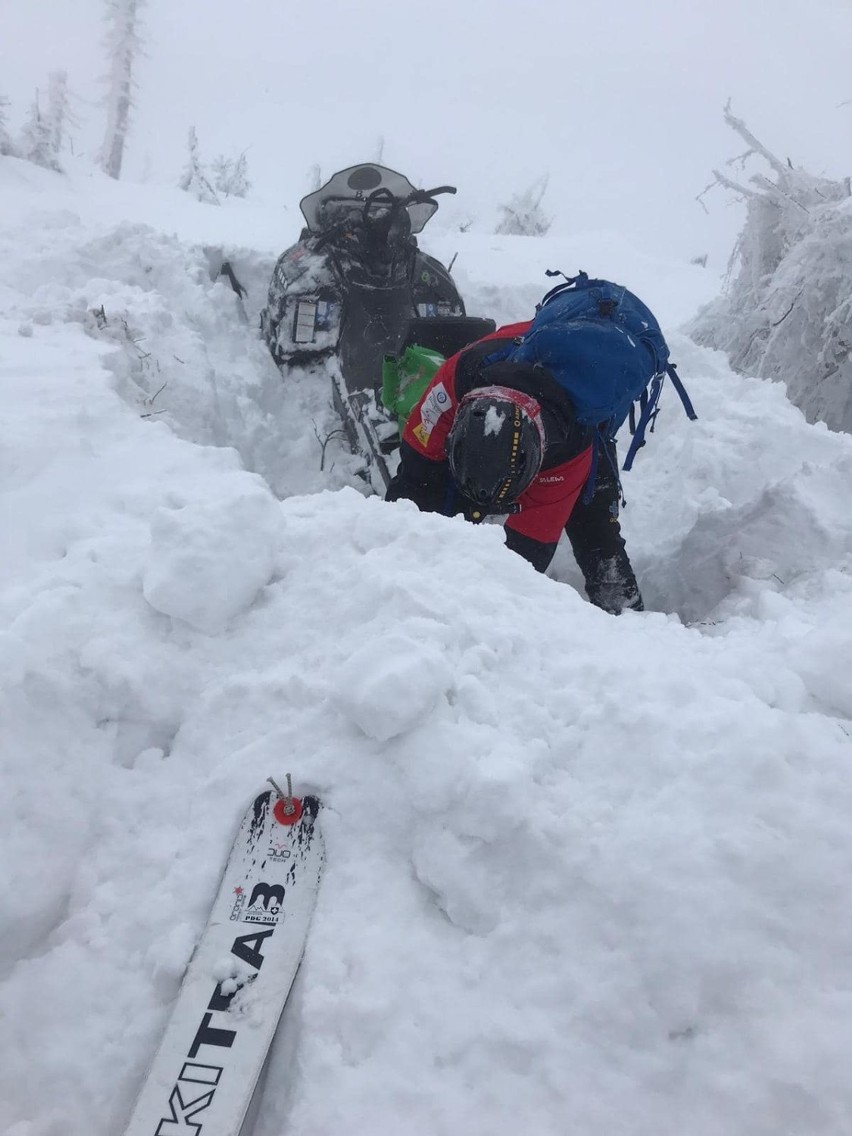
(417, 197)
(381, 227)
(427, 194)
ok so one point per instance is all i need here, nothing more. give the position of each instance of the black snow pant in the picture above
(595, 535)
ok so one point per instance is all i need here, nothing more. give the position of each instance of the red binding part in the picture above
(282, 816)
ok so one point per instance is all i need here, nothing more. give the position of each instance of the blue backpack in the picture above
(604, 346)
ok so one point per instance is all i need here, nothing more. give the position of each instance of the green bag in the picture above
(404, 379)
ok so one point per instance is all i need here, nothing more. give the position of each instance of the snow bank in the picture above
(584, 873)
(185, 348)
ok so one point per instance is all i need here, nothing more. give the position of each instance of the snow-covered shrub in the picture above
(36, 143)
(194, 178)
(230, 175)
(524, 216)
(787, 315)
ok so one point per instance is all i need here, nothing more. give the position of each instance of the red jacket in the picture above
(548, 502)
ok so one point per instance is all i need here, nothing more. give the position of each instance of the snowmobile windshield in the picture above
(336, 212)
(343, 197)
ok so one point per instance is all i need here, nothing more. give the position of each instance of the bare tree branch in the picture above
(324, 441)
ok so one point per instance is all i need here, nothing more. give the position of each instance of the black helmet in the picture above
(496, 446)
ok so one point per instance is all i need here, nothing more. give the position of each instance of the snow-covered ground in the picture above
(585, 874)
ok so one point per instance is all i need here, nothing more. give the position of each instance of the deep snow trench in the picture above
(584, 874)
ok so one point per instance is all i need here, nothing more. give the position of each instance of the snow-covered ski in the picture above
(206, 1069)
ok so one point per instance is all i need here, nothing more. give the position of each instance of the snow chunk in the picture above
(209, 561)
(494, 421)
(824, 660)
(390, 685)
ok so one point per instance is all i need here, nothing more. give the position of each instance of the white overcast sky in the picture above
(619, 101)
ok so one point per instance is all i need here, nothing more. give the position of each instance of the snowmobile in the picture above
(357, 290)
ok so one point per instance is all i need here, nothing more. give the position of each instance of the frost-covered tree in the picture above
(123, 46)
(523, 216)
(194, 178)
(6, 145)
(59, 116)
(36, 140)
(230, 175)
(43, 134)
(787, 312)
(314, 178)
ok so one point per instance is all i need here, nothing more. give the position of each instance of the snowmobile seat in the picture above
(446, 334)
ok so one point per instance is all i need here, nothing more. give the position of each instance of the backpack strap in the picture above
(643, 402)
(671, 371)
(599, 442)
(570, 282)
(650, 410)
(646, 418)
(500, 355)
(589, 487)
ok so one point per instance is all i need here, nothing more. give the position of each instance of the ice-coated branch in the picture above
(754, 145)
(786, 314)
(763, 182)
(729, 183)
